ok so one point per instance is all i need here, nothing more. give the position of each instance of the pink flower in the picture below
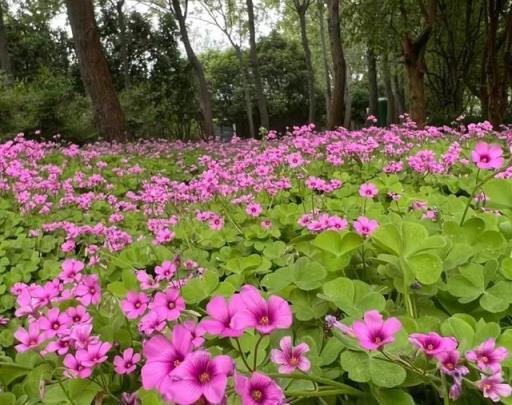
(450, 363)
(29, 339)
(81, 336)
(54, 323)
(59, 346)
(135, 304)
(89, 290)
(266, 224)
(75, 367)
(332, 322)
(290, 358)
(432, 344)
(368, 190)
(197, 332)
(264, 316)
(146, 281)
(487, 156)
(127, 363)
(221, 313)
(162, 356)
(168, 304)
(152, 322)
(253, 209)
(76, 315)
(94, 354)
(493, 387)
(165, 271)
(487, 356)
(364, 226)
(373, 333)
(71, 269)
(258, 389)
(200, 375)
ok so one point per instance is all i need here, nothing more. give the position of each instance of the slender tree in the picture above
(301, 7)
(5, 57)
(96, 77)
(204, 91)
(123, 42)
(373, 90)
(253, 54)
(336, 116)
(325, 61)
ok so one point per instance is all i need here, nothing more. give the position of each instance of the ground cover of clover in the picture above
(340, 267)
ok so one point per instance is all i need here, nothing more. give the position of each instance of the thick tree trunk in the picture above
(414, 56)
(123, 40)
(373, 90)
(301, 11)
(5, 57)
(325, 61)
(253, 54)
(204, 91)
(388, 87)
(96, 77)
(339, 67)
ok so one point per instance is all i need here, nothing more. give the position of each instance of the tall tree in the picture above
(301, 7)
(5, 57)
(96, 77)
(253, 55)
(498, 63)
(226, 16)
(338, 59)
(413, 49)
(373, 90)
(123, 41)
(204, 91)
(325, 62)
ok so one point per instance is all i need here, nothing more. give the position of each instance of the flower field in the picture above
(339, 267)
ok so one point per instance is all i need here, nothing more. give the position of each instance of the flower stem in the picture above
(326, 381)
(256, 351)
(242, 355)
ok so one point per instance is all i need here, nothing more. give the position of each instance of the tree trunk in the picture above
(339, 67)
(347, 119)
(96, 77)
(204, 91)
(373, 90)
(414, 55)
(253, 55)
(123, 40)
(325, 61)
(388, 86)
(398, 94)
(5, 57)
(301, 10)
(244, 75)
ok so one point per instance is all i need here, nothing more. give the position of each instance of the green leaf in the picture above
(11, 371)
(336, 243)
(459, 329)
(357, 364)
(386, 374)
(426, 267)
(392, 397)
(239, 264)
(388, 238)
(7, 398)
(198, 289)
(506, 268)
(499, 192)
(498, 297)
(308, 275)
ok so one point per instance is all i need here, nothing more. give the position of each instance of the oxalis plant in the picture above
(347, 267)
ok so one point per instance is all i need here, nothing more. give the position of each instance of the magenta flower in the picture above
(364, 226)
(94, 354)
(368, 190)
(290, 358)
(493, 387)
(127, 363)
(198, 376)
(71, 269)
(75, 367)
(165, 271)
(258, 389)
(197, 332)
(162, 356)
(487, 356)
(76, 315)
(81, 336)
(373, 333)
(487, 156)
(264, 316)
(221, 313)
(450, 363)
(135, 304)
(30, 338)
(54, 323)
(152, 322)
(332, 322)
(89, 290)
(253, 209)
(59, 346)
(168, 304)
(432, 344)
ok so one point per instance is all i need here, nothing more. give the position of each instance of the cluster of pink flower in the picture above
(373, 333)
(321, 185)
(183, 371)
